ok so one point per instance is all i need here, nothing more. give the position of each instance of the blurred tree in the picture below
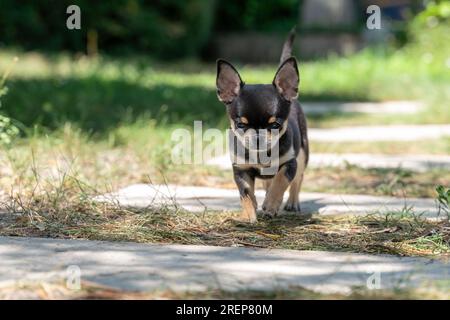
(163, 28)
(258, 15)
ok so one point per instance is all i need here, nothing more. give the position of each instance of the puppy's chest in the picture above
(262, 161)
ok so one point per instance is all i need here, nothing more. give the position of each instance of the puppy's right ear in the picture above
(228, 82)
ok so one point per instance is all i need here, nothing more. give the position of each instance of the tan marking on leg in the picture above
(274, 195)
(266, 184)
(248, 209)
(248, 203)
(251, 186)
(294, 190)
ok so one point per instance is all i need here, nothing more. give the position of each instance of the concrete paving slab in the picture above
(380, 133)
(199, 199)
(418, 163)
(146, 267)
(390, 107)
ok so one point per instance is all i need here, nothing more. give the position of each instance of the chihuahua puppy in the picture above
(270, 114)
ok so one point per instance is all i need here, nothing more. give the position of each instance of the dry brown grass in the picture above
(49, 185)
(70, 212)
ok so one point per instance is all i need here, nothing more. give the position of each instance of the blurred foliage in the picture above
(164, 29)
(98, 94)
(8, 130)
(161, 28)
(257, 15)
(435, 13)
(430, 31)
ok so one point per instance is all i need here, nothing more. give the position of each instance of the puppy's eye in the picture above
(275, 126)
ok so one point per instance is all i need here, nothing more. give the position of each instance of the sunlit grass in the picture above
(101, 93)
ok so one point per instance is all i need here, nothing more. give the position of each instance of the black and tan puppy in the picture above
(271, 112)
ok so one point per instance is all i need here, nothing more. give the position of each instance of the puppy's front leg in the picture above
(280, 182)
(245, 181)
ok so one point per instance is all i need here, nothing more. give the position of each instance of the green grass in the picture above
(97, 95)
(122, 112)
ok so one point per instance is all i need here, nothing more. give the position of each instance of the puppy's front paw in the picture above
(292, 207)
(252, 219)
(269, 211)
(248, 210)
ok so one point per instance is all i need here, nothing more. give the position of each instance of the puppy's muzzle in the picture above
(261, 140)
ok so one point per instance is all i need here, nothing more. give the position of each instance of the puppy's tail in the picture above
(287, 47)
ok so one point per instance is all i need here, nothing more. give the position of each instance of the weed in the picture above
(8, 131)
(443, 199)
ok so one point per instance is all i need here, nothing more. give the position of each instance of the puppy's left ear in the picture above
(287, 79)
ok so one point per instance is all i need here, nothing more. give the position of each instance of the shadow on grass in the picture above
(97, 105)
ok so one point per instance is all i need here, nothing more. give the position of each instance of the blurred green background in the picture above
(168, 29)
(154, 60)
(163, 29)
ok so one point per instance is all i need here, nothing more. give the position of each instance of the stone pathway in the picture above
(199, 199)
(146, 267)
(419, 163)
(380, 133)
(391, 107)
(150, 267)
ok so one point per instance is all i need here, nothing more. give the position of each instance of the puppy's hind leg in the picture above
(293, 203)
